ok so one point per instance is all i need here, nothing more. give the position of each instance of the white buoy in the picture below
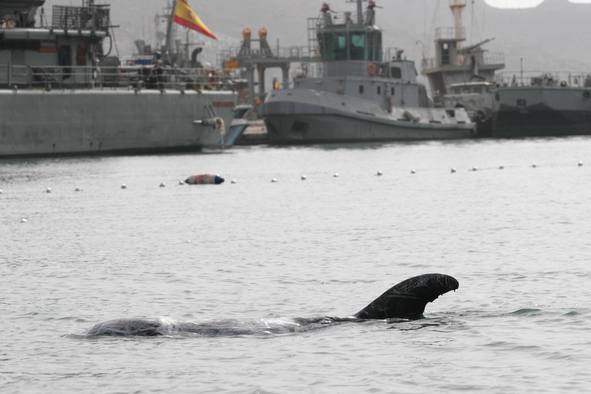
(123, 186)
(336, 175)
(501, 167)
(274, 180)
(580, 165)
(48, 190)
(181, 183)
(453, 170)
(233, 181)
(534, 165)
(413, 172)
(474, 169)
(162, 184)
(23, 220)
(303, 177)
(77, 190)
(380, 173)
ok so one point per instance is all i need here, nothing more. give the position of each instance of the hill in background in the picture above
(553, 36)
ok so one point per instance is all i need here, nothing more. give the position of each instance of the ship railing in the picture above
(490, 58)
(84, 77)
(450, 33)
(557, 79)
(294, 54)
(81, 18)
(494, 58)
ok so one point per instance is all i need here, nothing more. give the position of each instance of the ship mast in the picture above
(359, 12)
(457, 9)
(169, 32)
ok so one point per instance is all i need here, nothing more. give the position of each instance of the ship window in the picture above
(379, 90)
(445, 56)
(358, 44)
(392, 91)
(374, 46)
(361, 89)
(333, 46)
(396, 72)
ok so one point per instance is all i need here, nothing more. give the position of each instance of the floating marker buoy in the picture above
(580, 165)
(48, 190)
(380, 173)
(335, 175)
(77, 190)
(413, 172)
(162, 184)
(534, 165)
(303, 177)
(23, 220)
(474, 169)
(274, 180)
(233, 181)
(453, 170)
(501, 168)
(181, 183)
(204, 179)
(123, 186)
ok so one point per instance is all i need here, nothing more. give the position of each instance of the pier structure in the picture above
(255, 56)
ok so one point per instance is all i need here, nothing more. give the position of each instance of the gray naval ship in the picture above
(463, 76)
(360, 96)
(542, 105)
(62, 93)
(505, 105)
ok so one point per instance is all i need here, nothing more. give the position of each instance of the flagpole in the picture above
(169, 37)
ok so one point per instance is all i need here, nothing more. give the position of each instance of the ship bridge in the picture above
(348, 45)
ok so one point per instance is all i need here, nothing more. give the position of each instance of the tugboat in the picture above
(360, 97)
(62, 93)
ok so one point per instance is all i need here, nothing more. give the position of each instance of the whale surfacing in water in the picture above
(406, 300)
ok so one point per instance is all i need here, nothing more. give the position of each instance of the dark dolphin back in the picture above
(408, 299)
(127, 327)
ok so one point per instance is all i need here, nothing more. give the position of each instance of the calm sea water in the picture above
(517, 239)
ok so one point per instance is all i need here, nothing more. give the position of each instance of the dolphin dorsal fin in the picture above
(408, 298)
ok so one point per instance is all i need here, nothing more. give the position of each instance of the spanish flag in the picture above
(185, 16)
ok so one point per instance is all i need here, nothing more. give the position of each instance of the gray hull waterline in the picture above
(303, 116)
(110, 120)
(542, 111)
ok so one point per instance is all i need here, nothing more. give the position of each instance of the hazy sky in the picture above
(525, 3)
(550, 36)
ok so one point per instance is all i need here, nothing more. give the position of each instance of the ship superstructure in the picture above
(505, 104)
(460, 75)
(62, 93)
(364, 93)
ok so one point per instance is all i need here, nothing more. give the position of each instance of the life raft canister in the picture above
(204, 179)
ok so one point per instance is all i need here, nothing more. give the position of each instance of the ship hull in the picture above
(542, 112)
(109, 121)
(301, 117)
(326, 128)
